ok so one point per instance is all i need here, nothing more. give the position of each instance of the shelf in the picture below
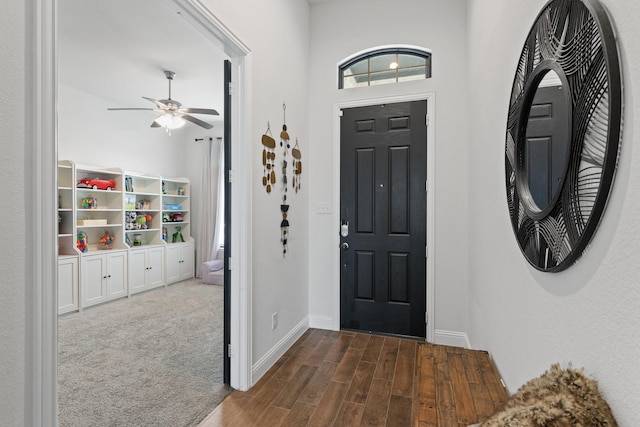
(142, 210)
(65, 210)
(137, 193)
(65, 188)
(90, 190)
(99, 226)
(176, 196)
(175, 211)
(142, 231)
(175, 222)
(65, 235)
(99, 210)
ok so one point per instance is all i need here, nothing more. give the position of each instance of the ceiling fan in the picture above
(173, 114)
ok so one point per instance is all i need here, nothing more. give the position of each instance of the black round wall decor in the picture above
(563, 132)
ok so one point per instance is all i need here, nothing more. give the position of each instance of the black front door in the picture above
(383, 204)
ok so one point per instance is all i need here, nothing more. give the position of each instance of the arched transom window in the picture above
(383, 66)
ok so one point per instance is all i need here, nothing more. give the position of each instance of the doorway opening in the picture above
(42, 311)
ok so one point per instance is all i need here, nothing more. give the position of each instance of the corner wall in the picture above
(277, 34)
(587, 315)
(338, 30)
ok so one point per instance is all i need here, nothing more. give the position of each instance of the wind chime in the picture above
(268, 160)
(284, 207)
(269, 173)
(297, 166)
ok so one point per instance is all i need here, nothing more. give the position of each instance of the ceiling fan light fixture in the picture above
(171, 121)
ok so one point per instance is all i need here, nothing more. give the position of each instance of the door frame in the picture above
(41, 152)
(430, 97)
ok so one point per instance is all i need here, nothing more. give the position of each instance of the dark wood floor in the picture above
(332, 378)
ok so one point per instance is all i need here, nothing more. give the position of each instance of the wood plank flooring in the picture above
(330, 378)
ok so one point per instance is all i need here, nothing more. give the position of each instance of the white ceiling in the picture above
(118, 50)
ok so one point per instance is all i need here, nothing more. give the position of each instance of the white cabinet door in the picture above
(137, 270)
(117, 275)
(186, 266)
(172, 262)
(94, 279)
(67, 285)
(155, 267)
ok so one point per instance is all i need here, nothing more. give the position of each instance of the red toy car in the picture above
(177, 217)
(96, 183)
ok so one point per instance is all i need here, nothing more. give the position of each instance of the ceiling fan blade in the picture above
(155, 101)
(197, 121)
(155, 124)
(116, 109)
(200, 111)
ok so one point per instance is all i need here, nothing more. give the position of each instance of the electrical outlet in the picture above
(274, 320)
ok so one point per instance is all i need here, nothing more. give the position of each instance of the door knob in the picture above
(344, 246)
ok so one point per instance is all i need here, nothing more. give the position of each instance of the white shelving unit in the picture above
(142, 198)
(176, 220)
(98, 208)
(94, 201)
(68, 264)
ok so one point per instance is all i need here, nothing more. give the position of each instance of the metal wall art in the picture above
(558, 179)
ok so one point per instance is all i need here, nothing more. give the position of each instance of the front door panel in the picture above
(383, 207)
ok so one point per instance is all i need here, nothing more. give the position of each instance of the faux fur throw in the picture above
(558, 398)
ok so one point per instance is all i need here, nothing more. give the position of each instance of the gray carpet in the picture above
(154, 359)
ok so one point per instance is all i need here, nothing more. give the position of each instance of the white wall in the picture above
(340, 29)
(12, 191)
(587, 315)
(277, 34)
(89, 134)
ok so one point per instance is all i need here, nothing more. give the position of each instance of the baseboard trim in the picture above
(276, 352)
(321, 322)
(452, 338)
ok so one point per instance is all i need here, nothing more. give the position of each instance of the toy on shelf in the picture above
(177, 236)
(89, 202)
(143, 205)
(129, 220)
(180, 191)
(106, 240)
(172, 207)
(141, 222)
(164, 234)
(96, 183)
(82, 242)
(177, 217)
(137, 240)
(164, 191)
(166, 217)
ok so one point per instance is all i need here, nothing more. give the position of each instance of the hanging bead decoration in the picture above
(297, 166)
(268, 160)
(284, 207)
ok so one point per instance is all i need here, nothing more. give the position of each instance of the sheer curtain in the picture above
(218, 237)
(211, 201)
